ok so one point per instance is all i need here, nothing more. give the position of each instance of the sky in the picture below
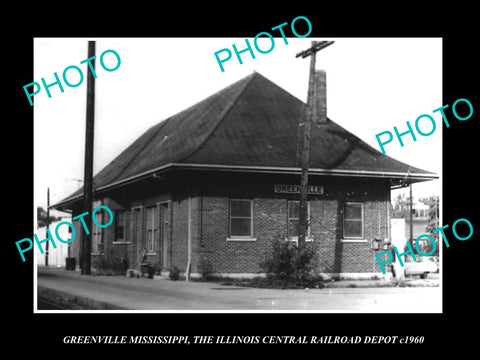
(373, 84)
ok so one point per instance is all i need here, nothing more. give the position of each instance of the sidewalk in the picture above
(76, 292)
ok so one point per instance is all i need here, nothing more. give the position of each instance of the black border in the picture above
(460, 71)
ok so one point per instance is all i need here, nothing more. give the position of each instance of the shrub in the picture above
(157, 268)
(174, 274)
(206, 269)
(289, 265)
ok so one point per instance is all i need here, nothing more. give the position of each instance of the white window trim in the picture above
(121, 241)
(354, 238)
(239, 237)
(154, 207)
(294, 239)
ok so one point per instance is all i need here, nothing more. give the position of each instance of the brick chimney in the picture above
(320, 97)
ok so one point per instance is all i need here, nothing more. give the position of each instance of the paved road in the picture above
(118, 292)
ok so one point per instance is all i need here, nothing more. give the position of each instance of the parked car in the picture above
(423, 266)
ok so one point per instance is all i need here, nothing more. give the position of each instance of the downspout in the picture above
(411, 214)
(201, 218)
(189, 240)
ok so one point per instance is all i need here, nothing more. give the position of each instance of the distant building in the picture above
(56, 256)
(420, 221)
(420, 213)
(214, 185)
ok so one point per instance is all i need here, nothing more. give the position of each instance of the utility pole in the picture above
(411, 214)
(307, 117)
(48, 224)
(88, 170)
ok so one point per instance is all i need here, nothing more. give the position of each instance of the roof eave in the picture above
(406, 178)
(319, 171)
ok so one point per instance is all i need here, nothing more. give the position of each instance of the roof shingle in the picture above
(251, 123)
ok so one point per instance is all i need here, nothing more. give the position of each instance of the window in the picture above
(241, 218)
(420, 213)
(98, 245)
(151, 229)
(120, 225)
(353, 221)
(293, 223)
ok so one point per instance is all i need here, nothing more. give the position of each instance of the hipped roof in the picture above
(251, 125)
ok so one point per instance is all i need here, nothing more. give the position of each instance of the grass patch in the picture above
(268, 283)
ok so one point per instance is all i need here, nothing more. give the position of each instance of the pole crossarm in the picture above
(316, 47)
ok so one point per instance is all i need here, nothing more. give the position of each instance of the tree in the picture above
(401, 206)
(433, 212)
(42, 217)
(433, 215)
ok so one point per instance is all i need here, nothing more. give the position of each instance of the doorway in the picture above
(164, 234)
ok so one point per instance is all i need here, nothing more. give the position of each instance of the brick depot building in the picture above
(212, 187)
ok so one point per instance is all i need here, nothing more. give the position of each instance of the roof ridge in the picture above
(223, 114)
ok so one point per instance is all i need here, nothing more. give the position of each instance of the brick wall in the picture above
(179, 244)
(209, 224)
(222, 255)
(334, 254)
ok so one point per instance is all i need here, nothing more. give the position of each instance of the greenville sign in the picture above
(295, 189)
